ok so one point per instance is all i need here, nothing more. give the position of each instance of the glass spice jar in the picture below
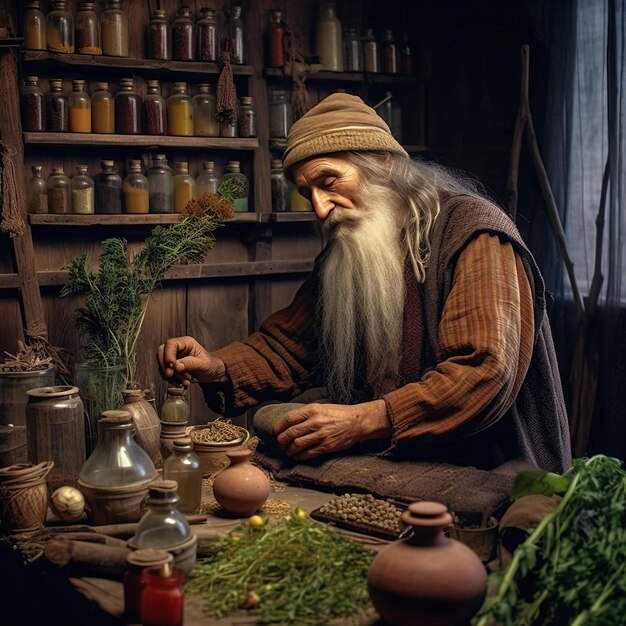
(276, 40)
(57, 115)
(206, 182)
(153, 110)
(389, 54)
(179, 111)
(234, 186)
(114, 26)
(247, 118)
(83, 192)
(371, 61)
(184, 467)
(87, 30)
(127, 109)
(184, 186)
(203, 112)
(175, 408)
(79, 108)
(33, 106)
(163, 597)
(108, 185)
(59, 192)
(278, 184)
(159, 37)
(206, 30)
(406, 56)
(135, 189)
(235, 36)
(34, 27)
(160, 185)
(328, 38)
(60, 28)
(37, 192)
(280, 115)
(183, 36)
(102, 110)
(353, 51)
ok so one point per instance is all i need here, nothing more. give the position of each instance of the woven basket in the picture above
(212, 455)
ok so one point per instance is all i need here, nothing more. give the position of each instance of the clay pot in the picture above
(212, 455)
(241, 488)
(428, 578)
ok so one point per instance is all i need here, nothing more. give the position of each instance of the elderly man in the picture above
(424, 316)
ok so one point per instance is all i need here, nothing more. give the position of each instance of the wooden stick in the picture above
(62, 552)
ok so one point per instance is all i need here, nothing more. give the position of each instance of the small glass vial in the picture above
(37, 192)
(353, 51)
(163, 596)
(278, 186)
(88, 35)
(184, 466)
(175, 408)
(406, 56)
(79, 107)
(153, 110)
(33, 106)
(102, 110)
(206, 29)
(203, 112)
(389, 54)
(83, 192)
(183, 36)
(247, 118)
(328, 38)
(276, 40)
(57, 115)
(59, 192)
(280, 115)
(60, 28)
(184, 186)
(34, 27)
(114, 25)
(235, 36)
(179, 111)
(234, 186)
(108, 185)
(161, 185)
(127, 109)
(135, 189)
(371, 61)
(206, 182)
(159, 37)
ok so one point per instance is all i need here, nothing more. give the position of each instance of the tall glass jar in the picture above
(280, 115)
(102, 110)
(353, 51)
(161, 185)
(60, 28)
(406, 56)
(389, 54)
(247, 117)
(206, 30)
(34, 27)
(59, 192)
(159, 37)
(37, 192)
(184, 466)
(371, 60)
(235, 35)
(179, 111)
(184, 186)
(206, 182)
(183, 36)
(234, 186)
(135, 189)
(127, 109)
(203, 112)
(57, 115)
(79, 108)
(278, 184)
(175, 408)
(153, 110)
(114, 24)
(33, 106)
(88, 33)
(328, 38)
(276, 40)
(83, 192)
(108, 189)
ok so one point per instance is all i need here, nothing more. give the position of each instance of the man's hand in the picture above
(318, 429)
(183, 359)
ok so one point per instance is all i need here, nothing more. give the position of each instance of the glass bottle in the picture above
(203, 112)
(34, 27)
(353, 51)
(206, 30)
(278, 184)
(175, 408)
(234, 186)
(247, 118)
(135, 189)
(88, 34)
(328, 38)
(57, 115)
(406, 56)
(159, 37)
(276, 40)
(371, 62)
(206, 181)
(83, 192)
(184, 466)
(179, 111)
(37, 192)
(389, 54)
(127, 109)
(60, 28)
(153, 110)
(59, 192)
(280, 115)
(79, 108)
(235, 36)
(114, 25)
(184, 186)
(163, 597)
(33, 106)
(183, 36)
(161, 185)
(108, 189)
(102, 110)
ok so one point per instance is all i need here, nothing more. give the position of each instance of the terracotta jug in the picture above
(428, 578)
(241, 488)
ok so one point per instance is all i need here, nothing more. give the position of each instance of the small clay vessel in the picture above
(241, 488)
(428, 578)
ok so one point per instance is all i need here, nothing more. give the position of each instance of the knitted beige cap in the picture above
(339, 122)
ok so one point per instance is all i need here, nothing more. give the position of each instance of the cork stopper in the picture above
(107, 164)
(56, 84)
(247, 100)
(115, 417)
(163, 490)
(182, 167)
(209, 166)
(149, 557)
(78, 85)
(204, 88)
(103, 86)
(183, 443)
(153, 85)
(82, 168)
(233, 165)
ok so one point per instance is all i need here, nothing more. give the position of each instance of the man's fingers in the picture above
(290, 419)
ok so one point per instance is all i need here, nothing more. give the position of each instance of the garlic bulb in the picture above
(68, 504)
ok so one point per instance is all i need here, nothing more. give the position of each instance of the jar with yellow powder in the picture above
(179, 111)
(135, 189)
(102, 110)
(34, 27)
(79, 105)
(184, 186)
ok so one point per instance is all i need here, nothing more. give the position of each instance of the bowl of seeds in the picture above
(211, 442)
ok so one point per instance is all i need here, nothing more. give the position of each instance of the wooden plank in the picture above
(10, 281)
(48, 219)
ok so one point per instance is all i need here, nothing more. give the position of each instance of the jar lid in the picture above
(182, 166)
(115, 417)
(85, 6)
(183, 443)
(55, 82)
(57, 170)
(207, 165)
(232, 164)
(180, 85)
(153, 83)
(107, 163)
(78, 84)
(104, 86)
(276, 164)
(31, 79)
(127, 81)
(82, 168)
(163, 490)
(207, 12)
(175, 391)
(148, 557)
(159, 13)
(246, 100)
(133, 394)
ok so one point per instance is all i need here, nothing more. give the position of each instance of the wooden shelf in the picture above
(291, 216)
(10, 281)
(347, 77)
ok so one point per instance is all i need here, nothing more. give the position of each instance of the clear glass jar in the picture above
(60, 28)
(102, 110)
(389, 54)
(280, 115)
(88, 40)
(247, 117)
(135, 190)
(371, 60)
(59, 192)
(184, 466)
(206, 181)
(37, 192)
(79, 108)
(175, 408)
(179, 111)
(206, 30)
(234, 186)
(33, 106)
(276, 40)
(235, 36)
(83, 192)
(34, 27)
(279, 188)
(203, 112)
(114, 25)
(108, 189)
(159, 37)
(163, 597)
(406, 56)
(184, 186)
(183, 36)
(353, 51)
(161, 185)
(153, 110)
(328, 38)
(57, 114)
(127, 109)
